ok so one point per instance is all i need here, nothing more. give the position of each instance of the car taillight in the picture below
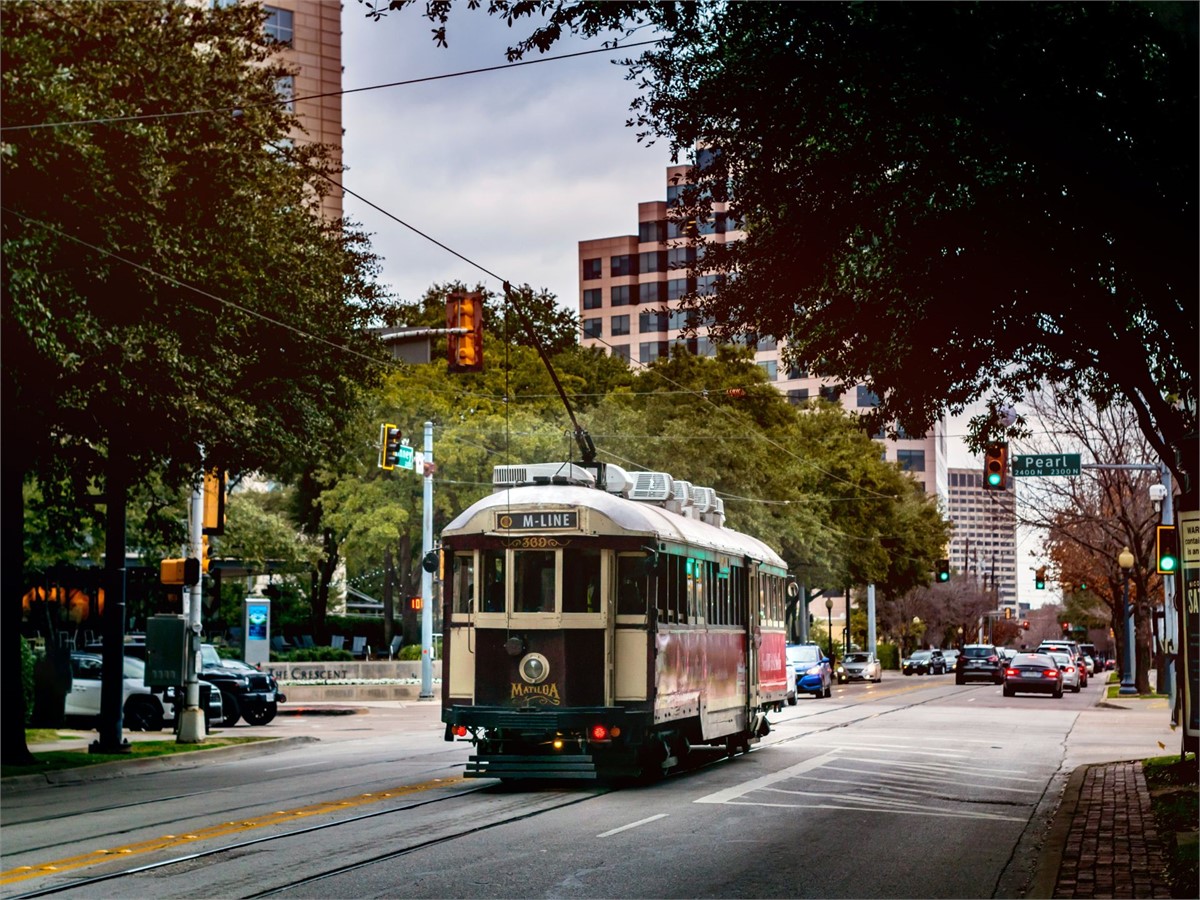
(993, 659)
(1051, 673)
(1069, 669)
(1011, 672)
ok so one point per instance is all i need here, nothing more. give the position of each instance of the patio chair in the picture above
(306, 642)
(359, 648)
(395, 647)
(337, 642)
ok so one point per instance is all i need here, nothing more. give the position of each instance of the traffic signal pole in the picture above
(426, 575)
(191, 719)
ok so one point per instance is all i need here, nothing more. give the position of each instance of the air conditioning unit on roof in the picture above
(681, 498)
(541, 473)
(702, 499)
(654, 487)
(617, 480)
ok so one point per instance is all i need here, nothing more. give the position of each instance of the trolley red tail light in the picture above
(599, 733)
(460, 730)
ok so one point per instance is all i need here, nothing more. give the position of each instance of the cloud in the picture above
(509, 168)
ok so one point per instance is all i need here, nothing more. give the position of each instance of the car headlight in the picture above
(815, 670)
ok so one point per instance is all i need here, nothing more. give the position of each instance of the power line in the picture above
(233, 110)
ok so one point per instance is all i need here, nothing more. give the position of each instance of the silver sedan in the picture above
(860, 667)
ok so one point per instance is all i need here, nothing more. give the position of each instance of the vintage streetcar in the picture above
(598, 623)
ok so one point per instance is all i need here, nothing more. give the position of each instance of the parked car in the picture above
(246, 692)
(1070, 670)
(792, 679)
(141, 709)
(860, 667)
(925, 662)
(136, 649)
(980, 661)
(1033, 673)
(814, 675)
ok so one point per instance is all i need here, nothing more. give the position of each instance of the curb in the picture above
(121, 767)
(1045, 878)
(322, 711)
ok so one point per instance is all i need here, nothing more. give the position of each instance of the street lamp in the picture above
(960, 637)
(829, 615)
(1128, 683)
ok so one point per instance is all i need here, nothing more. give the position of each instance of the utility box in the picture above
(256, 626)
(166, 651)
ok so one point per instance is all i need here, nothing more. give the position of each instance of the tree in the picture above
(168, 286)
(1029, 217)
(1090, 519)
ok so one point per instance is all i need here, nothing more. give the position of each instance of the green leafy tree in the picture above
(1028, 217)
(168, 286)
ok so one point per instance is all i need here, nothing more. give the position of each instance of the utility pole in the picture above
(426, 575)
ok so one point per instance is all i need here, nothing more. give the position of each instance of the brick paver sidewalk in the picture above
(1112, 847)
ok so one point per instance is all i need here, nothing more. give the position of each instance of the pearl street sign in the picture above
(1045, 464)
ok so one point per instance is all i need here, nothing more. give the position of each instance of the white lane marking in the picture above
(732, 793)
(924, 769)
(632, 825)
(937, 814)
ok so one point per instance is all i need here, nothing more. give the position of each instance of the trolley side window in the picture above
(633, 582)
(581, 581)
(464, 582)
(533, 581)
(492, 573)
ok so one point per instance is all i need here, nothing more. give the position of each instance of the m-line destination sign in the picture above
(1045, 464)
(518, 521)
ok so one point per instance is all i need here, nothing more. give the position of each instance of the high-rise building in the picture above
(630, 288)
(311, 34)
(984, 543)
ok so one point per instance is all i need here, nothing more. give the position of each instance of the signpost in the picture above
(1026, 464)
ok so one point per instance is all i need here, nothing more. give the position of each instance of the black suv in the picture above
(979, 661)
(246, 693)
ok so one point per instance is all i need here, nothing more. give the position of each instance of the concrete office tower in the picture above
(311, 32)
(984, 543)
(629, 290)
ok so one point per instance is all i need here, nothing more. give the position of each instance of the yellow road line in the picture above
(170, 841)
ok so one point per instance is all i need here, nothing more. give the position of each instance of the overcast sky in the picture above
(510, 168)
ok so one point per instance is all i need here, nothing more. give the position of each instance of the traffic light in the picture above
(1008, 612)
(204, 557)
(1167, 539)
(1025, 624)
(465, 351)
(214, 501)
(389, 446)
(1066, 626)
(943, 570)
(1039, 578)
(995, 466)
(179, 571)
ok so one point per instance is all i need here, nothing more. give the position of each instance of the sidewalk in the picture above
(1103, 842)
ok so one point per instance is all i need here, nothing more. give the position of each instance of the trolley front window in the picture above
(492, 576)
(581, 581)
(533, 581)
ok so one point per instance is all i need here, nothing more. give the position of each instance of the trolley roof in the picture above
(626, 515)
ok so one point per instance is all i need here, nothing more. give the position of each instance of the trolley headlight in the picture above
(534, 668)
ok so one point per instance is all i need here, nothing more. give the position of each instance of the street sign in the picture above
(404, 457)
(1026, 464)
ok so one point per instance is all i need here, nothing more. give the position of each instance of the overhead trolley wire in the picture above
(110, 120)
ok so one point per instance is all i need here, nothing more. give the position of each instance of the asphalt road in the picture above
(911, 788)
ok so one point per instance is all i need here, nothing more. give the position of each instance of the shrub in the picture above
(317, 654)
(27, 660)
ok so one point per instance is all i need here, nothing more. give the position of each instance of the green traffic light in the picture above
(994, 479)
(1167, 564)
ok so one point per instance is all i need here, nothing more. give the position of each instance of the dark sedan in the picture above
(1033, 673)
(980, 661)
